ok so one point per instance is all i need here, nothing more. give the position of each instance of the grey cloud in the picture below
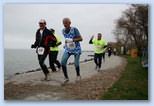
(21, 20)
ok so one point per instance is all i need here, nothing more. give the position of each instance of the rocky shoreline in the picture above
(39, 69)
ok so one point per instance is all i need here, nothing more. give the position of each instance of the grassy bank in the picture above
(132, 85)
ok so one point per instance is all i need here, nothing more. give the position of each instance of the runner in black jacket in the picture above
(44, 40)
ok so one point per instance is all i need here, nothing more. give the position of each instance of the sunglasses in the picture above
(41, 23)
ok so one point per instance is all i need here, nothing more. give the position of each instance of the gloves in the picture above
(105, 46)
(33, 46)
(68, 40)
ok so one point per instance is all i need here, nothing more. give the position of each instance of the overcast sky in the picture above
(21, 21)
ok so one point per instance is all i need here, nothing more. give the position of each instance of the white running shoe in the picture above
(78, 78)
(47, 77)
(59, 69)
(98, 69)
(66, 80)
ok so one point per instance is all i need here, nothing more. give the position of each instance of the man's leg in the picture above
(56, 61)
(64, 63)
(108, 54)
(103, 56)
(100, 60)
(77, 62)
(96, 60)
(41, 59)
(52, 60)
(77, 66)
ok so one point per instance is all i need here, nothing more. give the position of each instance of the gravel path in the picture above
(30, 86)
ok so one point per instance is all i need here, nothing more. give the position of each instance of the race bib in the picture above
(40, 50)
(70, 45)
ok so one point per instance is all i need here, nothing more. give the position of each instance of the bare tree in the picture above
(132, 27)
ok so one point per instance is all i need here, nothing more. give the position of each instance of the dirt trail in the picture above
(30, 86)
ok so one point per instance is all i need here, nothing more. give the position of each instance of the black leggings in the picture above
(41, 59)
(53, 59)
(98, 59)
(103, 55)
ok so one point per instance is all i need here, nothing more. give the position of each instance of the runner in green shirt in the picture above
(54, 53)
(100, 46)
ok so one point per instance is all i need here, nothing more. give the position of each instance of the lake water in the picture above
(17, 61)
